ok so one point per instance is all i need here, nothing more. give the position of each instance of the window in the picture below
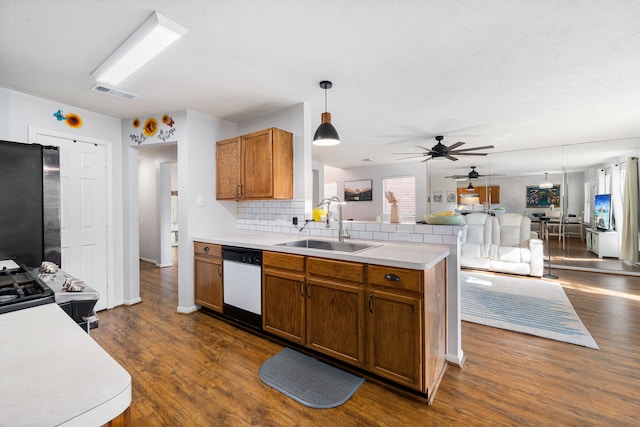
(404, 190)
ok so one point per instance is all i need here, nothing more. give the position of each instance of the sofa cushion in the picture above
(510, 253)
(511, 230)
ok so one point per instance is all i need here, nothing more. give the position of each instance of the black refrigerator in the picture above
(29, 203)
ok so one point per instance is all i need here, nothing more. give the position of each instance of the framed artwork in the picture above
(543, 197)
(437, 197)
(451, 196)
(358, 191)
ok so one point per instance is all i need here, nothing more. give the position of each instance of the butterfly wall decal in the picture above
(58, 115)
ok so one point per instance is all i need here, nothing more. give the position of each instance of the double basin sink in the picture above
(328, 245)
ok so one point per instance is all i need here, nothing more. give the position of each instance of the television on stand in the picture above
(602, 212)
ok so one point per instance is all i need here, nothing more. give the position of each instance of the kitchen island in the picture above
(55, 374)
(380, 308)
(393, 254)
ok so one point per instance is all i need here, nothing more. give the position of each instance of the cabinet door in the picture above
(394, 337)
(283, 305)
(228, 168)
(208, 281)
(335, 320)
(257, 165)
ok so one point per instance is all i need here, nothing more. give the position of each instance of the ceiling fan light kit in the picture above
(326, 135)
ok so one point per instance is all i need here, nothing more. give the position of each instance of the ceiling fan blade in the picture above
(458, 153)
(486, 147)
(417, 154)
(428, 158)
(424, 148)
(412, 157)
(451, 158)
(456, 145)
(457, 176)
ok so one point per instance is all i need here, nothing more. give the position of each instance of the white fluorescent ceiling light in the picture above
(156, 34)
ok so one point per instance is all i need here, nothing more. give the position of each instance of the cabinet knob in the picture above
(371, 303)
(206, 249)
(392, 277)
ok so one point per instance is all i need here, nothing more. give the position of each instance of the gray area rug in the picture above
(532, 306)
(307, 380)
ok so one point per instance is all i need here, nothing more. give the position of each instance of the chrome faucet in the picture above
(343, 233)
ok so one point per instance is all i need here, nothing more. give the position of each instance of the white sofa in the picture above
(502, 243)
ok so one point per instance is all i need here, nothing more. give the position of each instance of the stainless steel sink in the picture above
(328, 245)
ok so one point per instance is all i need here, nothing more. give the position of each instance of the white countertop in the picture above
(53, 374)
(416, 256)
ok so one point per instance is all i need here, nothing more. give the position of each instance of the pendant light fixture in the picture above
(470, 187)
(546, 183)
(326, 134)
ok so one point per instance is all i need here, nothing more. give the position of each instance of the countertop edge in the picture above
(415, 256)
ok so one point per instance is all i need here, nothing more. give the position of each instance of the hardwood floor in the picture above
(196, 370)
(575, 255)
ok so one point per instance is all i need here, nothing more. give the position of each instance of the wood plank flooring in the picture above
(196, 370)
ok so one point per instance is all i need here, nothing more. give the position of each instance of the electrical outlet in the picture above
(295, 220)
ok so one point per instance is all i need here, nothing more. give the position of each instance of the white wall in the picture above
(150, 198)
(512, 189)
(296, 120)
(20, 111)
(196, 177)
(367, 211)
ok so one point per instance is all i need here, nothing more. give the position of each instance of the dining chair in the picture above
(554, 227)
(573, 226)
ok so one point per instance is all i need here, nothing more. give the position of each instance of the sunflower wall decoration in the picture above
(72, 119)
(151, 129)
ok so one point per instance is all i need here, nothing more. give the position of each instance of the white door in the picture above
(83, 206)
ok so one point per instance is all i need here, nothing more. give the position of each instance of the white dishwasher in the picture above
(242, 285)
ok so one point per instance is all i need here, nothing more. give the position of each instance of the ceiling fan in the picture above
(442, 151)
(471, 175)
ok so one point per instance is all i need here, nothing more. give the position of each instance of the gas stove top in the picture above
(21, 288)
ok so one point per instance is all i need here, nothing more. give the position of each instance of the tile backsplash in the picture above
(276, 216)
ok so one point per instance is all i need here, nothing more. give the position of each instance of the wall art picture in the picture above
(358, 191)
(437, 197)
(543, 197)
(451, 196)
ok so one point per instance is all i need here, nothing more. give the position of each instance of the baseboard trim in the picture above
(187, 310)
(164, 265)
(457, 360)
(149, 260)
(132, 301)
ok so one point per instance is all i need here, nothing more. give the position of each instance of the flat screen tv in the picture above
(602, 211)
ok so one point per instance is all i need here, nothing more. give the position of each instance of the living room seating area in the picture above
(502, 244)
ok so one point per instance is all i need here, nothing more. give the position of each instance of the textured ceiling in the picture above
(515, 74)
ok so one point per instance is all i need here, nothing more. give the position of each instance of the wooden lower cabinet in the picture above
(283, 304)
(335, 320)
(208, 275)
(389, 321)
(394, 337)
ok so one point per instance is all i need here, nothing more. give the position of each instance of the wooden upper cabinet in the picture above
(228, 168)
(486, 194)
(258, 165)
